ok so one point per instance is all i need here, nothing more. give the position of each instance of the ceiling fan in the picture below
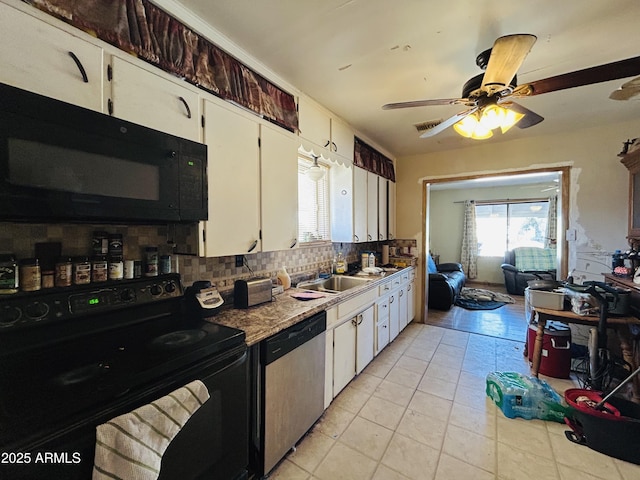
(489, 96)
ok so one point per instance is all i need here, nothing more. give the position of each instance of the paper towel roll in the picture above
(385, 254)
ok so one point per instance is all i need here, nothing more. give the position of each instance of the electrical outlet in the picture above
(239, 261)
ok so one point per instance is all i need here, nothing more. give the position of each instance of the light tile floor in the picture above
(419, 411)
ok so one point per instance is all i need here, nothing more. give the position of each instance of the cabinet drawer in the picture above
(382, 310)
(384, 288)
(396, 281)
(404, 277)
(354, 304)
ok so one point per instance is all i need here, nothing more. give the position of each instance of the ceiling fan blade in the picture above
(601, 73)
(507, 54)
(626, 90)
(447, 123)
(530, 118)
(426, 103)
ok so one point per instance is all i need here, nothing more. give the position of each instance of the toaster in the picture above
(254, 291)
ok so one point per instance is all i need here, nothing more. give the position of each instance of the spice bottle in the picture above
(8, 274)
(81, 270)
(64, 272)
(116, 268)
(115, 245)
(30, 276)
(99, 268)
(151, 254)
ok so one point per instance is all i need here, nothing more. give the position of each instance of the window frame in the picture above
(307, 159)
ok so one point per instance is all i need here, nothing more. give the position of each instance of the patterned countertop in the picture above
(262, 321)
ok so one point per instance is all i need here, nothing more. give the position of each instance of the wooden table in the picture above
(620, 324)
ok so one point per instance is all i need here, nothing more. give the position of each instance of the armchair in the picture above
(527, 263)
(445, 284)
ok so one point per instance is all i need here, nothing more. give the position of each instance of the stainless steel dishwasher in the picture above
(293, 366)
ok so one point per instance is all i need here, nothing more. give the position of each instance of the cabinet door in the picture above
(341, 204)
(234, 182)
(140, 96)
(314, 123)
(394, 316)
(383, 218)
(391, 200)
(328, 368)
(279, 186)
(372, 207)
(341, 139)
(411, 307)
(382, 324)
(38, 57)
(403, 308)
(359, 204)
(344, 355)
(365, 338)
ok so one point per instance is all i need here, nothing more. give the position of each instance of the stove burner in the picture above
(177, 339)
(81, 374)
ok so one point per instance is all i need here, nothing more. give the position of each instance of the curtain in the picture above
(552, 223)
(469, 251)
(367, 157)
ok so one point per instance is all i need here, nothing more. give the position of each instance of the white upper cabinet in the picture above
(333, 136)
(383, 217)
(279, 180)
(391, 201)
(233, 226)
(43, 59)
(341, 139)
(314, 123)
(360, 200)
(372, 207)
(140, 96)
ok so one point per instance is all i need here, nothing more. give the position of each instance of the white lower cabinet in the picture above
(382, 324)
(403, 308)
(411, 298)
(394, 316)
(353, 348)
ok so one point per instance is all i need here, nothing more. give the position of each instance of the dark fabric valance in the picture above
(367, 157)
(144, 30)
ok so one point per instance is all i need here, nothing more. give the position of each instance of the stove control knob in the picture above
(127, 295)
(36, 310)
(155, 290)
(170, 287)
(9, 315)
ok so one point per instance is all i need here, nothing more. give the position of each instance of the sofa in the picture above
(445, 284)
(524, 264)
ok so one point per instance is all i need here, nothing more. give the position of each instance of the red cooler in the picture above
(556, 349)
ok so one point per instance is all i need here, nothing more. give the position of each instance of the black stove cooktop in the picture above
(67, 354)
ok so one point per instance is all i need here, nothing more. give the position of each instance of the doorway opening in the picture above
(443, 211)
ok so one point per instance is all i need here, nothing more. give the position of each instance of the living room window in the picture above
(503, 226)
(313, 203)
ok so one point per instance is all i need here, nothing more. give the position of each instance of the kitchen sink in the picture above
(333, 284)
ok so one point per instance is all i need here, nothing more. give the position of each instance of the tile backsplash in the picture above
(180, 241)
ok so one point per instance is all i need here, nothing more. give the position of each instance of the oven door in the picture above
(212, 444)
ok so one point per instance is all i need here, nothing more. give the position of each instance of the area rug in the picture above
(481, 299)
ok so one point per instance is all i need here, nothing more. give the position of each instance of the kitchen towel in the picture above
(385, 254)
(131, 446)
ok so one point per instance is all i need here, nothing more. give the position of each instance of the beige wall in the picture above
(599, 189)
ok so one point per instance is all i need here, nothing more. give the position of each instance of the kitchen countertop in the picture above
(263, 321)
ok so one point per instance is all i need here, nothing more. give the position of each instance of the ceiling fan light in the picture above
(492, 117)
(481, 132)
(466, 126)
(510, 119)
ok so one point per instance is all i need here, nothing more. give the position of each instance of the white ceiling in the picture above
(353, 56)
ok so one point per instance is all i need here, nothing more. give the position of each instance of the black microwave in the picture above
(60, 162)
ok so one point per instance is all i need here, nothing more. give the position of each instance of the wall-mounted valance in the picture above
(143, 29)
(367, 157)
